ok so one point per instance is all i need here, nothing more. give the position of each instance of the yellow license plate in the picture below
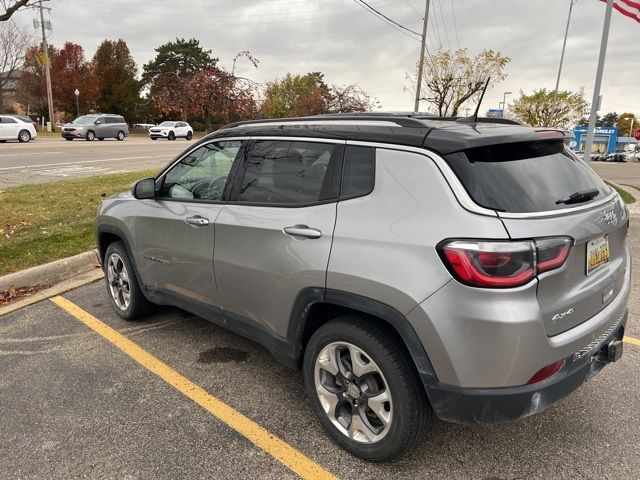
(598, 254)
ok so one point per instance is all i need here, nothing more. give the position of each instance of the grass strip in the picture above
(626, 196)
(44, 222)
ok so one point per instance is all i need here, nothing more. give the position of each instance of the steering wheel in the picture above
(210, 189)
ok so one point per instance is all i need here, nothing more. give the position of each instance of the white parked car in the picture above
(14, 128)
(171, 130)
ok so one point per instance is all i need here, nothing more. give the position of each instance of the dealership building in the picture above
(605, 140)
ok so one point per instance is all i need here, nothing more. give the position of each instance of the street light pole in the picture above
(45, 52)
(504, 103)
(77, 92)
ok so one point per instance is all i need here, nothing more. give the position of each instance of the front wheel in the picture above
(68, 139)
(122, 285)
(120, 136)
(24, 136)
(91, 135)
(189, 135)
(364, 387)
(171, 136)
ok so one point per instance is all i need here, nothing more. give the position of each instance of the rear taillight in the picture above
(546, 372)
(503, 264)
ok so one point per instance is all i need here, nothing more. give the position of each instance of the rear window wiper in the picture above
(579, 197)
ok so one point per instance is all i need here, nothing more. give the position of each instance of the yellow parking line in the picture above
(274, 446)
(631, 340)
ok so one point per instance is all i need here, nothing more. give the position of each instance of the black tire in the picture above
(68, 139)
(138, 307)
(3, 141)
(120, 136)
(171, 136)
(101, 139)
(24, 136)
(153, 138)
(189, 135)
(91, 136)
(411, 411)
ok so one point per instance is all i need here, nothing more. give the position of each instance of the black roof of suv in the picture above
(443, 135)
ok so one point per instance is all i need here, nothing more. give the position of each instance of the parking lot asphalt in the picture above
(624, 173)
(75, 405)
(48, 159)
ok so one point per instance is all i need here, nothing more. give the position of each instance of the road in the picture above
(75, 404)
(627, 173)
(47, 159)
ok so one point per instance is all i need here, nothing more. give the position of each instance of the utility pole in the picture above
(416, 106)
(554, 103)
(595, 102)
(47, 74)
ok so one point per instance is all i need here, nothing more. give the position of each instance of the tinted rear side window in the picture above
(524, 177)
(283, 172)
(358, 172)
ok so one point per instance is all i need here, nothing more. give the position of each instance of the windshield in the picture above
(526, 177)
(85, 120)
(167, 124)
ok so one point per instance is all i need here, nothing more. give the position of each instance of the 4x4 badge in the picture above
(610, 217)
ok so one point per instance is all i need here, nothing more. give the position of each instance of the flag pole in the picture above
(554, 103)
(596, 88)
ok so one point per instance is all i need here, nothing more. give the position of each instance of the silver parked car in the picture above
(411, 266)
(98, 126)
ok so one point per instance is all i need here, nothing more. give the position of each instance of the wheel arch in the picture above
(314, 307)
(106, 235)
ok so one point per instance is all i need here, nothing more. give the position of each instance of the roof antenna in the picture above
(474, 118)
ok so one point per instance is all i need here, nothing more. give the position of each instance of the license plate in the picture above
(598, 254)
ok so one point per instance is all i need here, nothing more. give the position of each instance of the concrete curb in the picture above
(53, 272)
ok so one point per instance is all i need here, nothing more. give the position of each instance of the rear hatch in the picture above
(541, 190)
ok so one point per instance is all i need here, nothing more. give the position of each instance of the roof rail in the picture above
(336, 119)
(505, 121)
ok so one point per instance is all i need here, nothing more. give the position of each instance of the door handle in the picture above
(197, 220)
(302, 231)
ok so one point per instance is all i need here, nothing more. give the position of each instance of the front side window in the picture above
(284, 172)
(167, 124)
(201, 174)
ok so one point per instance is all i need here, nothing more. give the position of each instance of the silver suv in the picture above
(98, 125)
(410, 266)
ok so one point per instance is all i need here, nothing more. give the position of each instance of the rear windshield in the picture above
(526, 177)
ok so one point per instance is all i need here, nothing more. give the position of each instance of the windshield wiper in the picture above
(579, 197)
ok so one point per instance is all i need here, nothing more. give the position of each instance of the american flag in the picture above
(629, 8)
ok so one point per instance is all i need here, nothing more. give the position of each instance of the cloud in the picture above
(348, 44)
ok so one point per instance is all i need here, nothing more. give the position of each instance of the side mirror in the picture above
(144, 189)
(97, 122)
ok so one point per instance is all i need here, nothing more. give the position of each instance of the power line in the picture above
(455, 24)
(381, 15)
(444, 24)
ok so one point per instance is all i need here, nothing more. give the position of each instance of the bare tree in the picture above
(9, 7)
(451, 78)
(14, 43)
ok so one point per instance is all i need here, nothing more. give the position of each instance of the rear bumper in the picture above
(496, 405)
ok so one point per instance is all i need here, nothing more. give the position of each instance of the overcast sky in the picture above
(349, 45)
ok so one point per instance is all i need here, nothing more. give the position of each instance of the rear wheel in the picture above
(91, 135)
(172, 136)
(120, 136)
(68, 139)
(24, 136)
(189, 135)
(101, 139)
(122, 285)
(364, 387)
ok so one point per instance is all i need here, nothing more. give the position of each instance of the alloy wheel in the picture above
(353, 392)
(24, 136)
(118, 279)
